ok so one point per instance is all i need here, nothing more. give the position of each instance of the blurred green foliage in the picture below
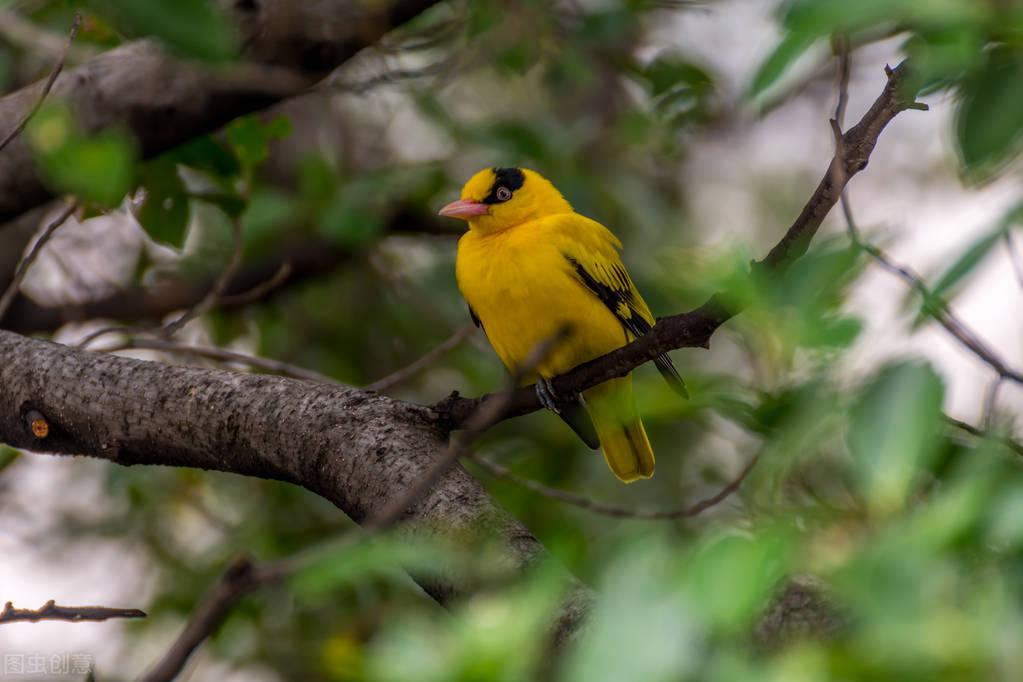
(97, 168)
(916, 531)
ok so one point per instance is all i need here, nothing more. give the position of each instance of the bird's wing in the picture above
(475, 318)
(592, 253)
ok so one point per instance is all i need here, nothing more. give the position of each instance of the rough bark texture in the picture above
(164, 102)
(354, 448)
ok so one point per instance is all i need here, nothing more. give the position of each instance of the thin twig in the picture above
(30, 258)
(933, 305)
(213, 298)
(407, 372)
(103, 331)
(259, 291)
(18, 30)
(223, 355)
(238, 580)
(47, 86)
(605, 509)
(73, 614)
(841, 47)
(219, 285)
(966, 427)
(936, 308)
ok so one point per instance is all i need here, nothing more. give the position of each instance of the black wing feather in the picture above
(475, 318)
(619, 300)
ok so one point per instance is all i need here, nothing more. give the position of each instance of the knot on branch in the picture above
(37, 424)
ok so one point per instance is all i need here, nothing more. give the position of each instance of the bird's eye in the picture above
(503, 194)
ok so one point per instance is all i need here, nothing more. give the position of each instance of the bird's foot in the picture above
(546, 394)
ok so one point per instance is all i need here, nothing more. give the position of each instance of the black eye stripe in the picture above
(508, 178)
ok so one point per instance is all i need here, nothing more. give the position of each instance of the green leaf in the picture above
(250, 138)
(266, 216)
(165, 211)
(670, 71)
(792, 46)
(641, 628)
(348, 222)
(207, 154)
(349, 564)
(97, 168)
(968, 261)
(892, 432)
(989, 121)
(731, 577)
(193, 28)
(8, 456)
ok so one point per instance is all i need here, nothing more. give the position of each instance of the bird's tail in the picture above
(622, 436)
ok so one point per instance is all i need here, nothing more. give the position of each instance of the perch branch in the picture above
(73, 614)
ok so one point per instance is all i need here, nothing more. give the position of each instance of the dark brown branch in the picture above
(615, 511)
(240, 579)
(163, 102)
(695, 328)
(47, 86)
(74, 614)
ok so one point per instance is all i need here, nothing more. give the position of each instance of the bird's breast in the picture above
(523, 291)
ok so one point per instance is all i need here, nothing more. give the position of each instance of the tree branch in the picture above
(74, 614)
(612, 510)
(163, 102)
(299, 262)
(19, 275)
(695, 328)
(357, 449)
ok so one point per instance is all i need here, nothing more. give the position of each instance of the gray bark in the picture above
(354, 448)
(164, 102)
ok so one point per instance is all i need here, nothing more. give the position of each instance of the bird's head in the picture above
(498, 198)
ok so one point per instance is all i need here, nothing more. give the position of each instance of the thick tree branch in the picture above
(151, 304)
(357, 449)
(695, 328)
(74, 614)
(162, 102)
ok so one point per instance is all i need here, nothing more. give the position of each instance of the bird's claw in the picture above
(546, 394)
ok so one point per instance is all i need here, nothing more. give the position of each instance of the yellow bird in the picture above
(530, 266)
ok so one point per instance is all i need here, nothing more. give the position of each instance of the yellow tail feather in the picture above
(622, 436)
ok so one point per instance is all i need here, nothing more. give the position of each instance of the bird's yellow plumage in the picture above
(528, 267)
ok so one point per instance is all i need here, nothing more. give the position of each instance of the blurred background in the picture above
(695, 131)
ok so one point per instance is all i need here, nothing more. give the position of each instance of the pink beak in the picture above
(464, 208)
